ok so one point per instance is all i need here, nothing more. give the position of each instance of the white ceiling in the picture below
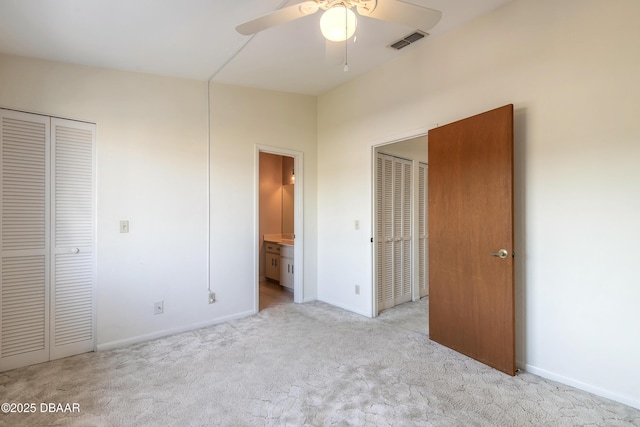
(197, 39)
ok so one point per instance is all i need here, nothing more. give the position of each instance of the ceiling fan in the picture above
(338, 21)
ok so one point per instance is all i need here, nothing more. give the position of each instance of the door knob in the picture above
(502, 253)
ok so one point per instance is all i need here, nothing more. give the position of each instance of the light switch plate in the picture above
(158, 307)
(124, 226)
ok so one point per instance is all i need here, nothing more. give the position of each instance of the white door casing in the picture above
(298, 219)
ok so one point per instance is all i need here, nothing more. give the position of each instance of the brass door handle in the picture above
(502, 253)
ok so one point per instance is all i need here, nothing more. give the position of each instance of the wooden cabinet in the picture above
(286, 266)
(272, 261)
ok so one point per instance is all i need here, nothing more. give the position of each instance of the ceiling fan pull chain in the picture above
(346, 41)
(346, 62)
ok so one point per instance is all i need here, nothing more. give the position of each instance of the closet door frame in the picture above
(48, 251)
(377, 146)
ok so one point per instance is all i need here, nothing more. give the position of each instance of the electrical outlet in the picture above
(212, 297)
(158, 307)
(357, 289)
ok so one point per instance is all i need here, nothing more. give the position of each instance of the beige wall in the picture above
(412, 149)
(288, 196)
(571, 69)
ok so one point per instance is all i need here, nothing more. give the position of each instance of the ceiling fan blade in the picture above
(278, 17)
(398, 11)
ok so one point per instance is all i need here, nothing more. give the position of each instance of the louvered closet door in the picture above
(423, 232)
(73, 238)
(24, 211)
(385, 242)
(394, 230)
(402, 230)
(379, 240)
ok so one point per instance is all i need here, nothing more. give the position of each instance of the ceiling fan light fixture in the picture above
(338, 23)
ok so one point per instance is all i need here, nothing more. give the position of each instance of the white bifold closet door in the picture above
(72, 238)
(47, 238)
(394, 230)
(423, 230)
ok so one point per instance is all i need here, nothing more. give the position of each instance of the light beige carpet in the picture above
(294, 365)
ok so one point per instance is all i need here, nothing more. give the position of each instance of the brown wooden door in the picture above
(471, 298)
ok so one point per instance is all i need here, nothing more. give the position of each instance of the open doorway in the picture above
(278, 221)
(471, 275)
(400, 222)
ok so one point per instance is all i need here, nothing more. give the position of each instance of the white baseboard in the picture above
(626, 400)
(167, 332)
(309, 299)
(344, 307)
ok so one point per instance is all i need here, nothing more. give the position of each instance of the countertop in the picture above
(279, 239)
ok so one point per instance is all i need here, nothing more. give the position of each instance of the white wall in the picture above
(241, 119)
(151, 170)
(571, 69)
(152, 145)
